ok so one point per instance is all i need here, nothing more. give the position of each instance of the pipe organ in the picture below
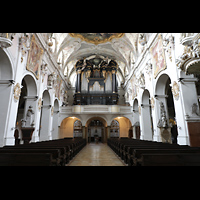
(96, 82)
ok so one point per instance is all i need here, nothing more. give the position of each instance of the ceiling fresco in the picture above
(124, 48)
(97, 38)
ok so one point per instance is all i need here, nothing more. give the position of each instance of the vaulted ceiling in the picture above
(70, 47)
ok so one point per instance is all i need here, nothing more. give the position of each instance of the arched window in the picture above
(77, 128)
(114, 129)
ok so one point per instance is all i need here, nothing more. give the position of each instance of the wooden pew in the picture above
(56, 157)
(136, 158)
(175, 159)
(61, 149)
(26, 159)
(129, 151)
(59, 152)
(132, 151)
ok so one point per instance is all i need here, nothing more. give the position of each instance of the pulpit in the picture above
(27, 133)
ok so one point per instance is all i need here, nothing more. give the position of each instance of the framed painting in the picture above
(158, 56)
(34, 58)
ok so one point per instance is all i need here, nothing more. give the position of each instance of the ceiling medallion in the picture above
(97, 38)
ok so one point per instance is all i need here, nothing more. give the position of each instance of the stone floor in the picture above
(96, 155)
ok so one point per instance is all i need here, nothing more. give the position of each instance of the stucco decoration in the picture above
(97, 38)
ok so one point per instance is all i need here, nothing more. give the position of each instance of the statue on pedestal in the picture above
(28, 124)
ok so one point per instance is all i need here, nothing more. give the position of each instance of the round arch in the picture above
(96, 126)
(6, 71)
(164, 97)
(96, 118)
(31, 85)
(45, 115)
(27, 98)
(125, 126)
(67, 127)
(146, 115)
(135, 105)
(160, 88)
(6, 90)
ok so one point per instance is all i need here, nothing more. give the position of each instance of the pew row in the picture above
(136, 152)
(45, 153)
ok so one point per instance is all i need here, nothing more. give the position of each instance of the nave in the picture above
(96, 155)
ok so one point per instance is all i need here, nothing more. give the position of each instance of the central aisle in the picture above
(96, 155)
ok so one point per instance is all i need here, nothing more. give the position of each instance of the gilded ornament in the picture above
(52, 110)
(175, 90)
(39, 104)
(97, 38)
(17, 92)
(139, 110)
(152, 102)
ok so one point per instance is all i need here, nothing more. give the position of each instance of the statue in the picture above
(162, 123)
(165, 128)
(195, 109)
(142, 80)
(29, 116)
(28, 121)
(65, 98)
(27, 126)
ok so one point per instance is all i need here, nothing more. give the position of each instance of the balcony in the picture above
(96, 109)
(96, 98)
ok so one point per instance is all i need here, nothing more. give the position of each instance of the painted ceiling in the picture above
(68, 48)
(97, 38)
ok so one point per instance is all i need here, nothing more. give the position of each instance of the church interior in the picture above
(100, 91)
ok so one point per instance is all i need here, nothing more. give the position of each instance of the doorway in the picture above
(114, 129)
(96, 131)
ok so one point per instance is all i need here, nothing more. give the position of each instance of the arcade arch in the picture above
(125, 127)
(164, 94)
(96, 126)
(44, 129)
(6, 76)
(27, 98)
(146, 114)
(67, 127)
